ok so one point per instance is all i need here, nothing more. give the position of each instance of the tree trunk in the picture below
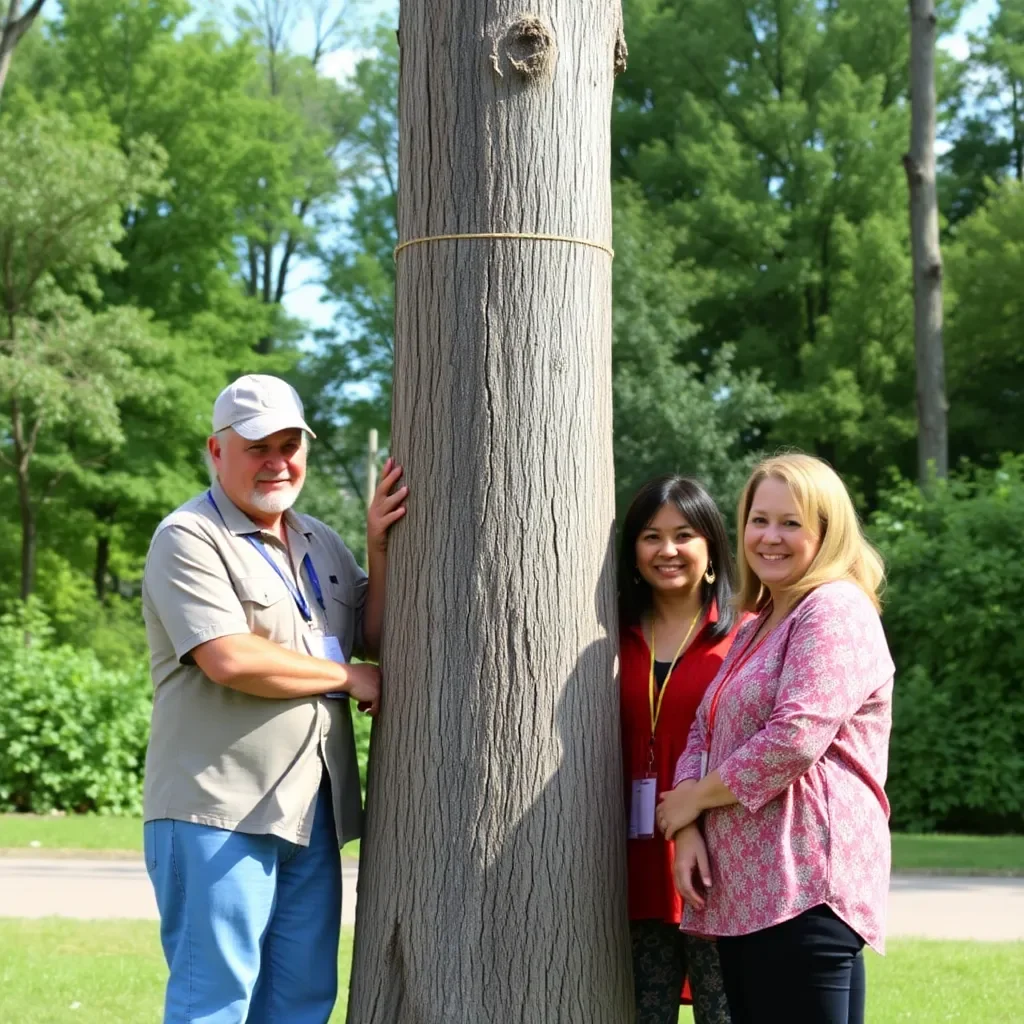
(28, 538)
(919, 163)
(28, 516)
(12, 29)
(99, 575)
(1018, 135)
(492, 884)
(23, 448)
(101, 567)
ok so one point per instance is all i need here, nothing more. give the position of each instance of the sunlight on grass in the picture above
(111, 972)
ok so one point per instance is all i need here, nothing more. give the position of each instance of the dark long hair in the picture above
(698, 508)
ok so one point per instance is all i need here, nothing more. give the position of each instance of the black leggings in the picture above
(809, 970)
(662, 958)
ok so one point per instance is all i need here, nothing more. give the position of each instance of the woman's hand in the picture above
(691, 867)
(677, 808)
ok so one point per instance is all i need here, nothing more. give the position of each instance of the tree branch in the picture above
(14, 27)
(343, 463)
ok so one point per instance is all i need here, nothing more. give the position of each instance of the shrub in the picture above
(953, 610)
(361, 727)
(72, 733)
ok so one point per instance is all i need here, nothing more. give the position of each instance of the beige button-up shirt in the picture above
(223, 758)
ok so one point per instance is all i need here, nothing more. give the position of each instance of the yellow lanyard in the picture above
(656, 707)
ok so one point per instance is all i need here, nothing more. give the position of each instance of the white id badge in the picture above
(641, 810)
(634, 807)
(328, 648)
(703, 763)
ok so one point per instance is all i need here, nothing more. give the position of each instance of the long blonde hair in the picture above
(824, 503)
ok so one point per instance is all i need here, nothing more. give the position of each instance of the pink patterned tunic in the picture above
(801, 738)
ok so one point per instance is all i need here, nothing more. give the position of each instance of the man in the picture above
(252, 615)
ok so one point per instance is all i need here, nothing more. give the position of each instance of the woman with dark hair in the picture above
(676, 622)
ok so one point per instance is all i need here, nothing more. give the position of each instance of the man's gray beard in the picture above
(276, 502)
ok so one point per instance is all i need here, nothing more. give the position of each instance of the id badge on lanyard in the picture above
(328, 647)
(644, 791)
(641, 807)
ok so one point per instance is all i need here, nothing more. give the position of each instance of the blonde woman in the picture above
(779, 815)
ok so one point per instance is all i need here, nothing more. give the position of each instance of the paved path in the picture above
(929, 907)
(100, 889)
(956, 908)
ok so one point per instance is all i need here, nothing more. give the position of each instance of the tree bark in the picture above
(919, 163)
(14, 26)
(101, 567)
(23, 449)
(99, 576)
(492, 878)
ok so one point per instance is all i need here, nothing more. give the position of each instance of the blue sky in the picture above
(304, 298)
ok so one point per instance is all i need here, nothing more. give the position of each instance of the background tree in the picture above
(762, 298)
(769, 134)
(299, 157)
(999, 57)
(671, 412)
(496, 753)
(14, 25)
(59, 363)
(919, 163)
(356, 355)
(986, 358)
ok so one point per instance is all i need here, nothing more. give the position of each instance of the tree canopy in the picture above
(168, 180)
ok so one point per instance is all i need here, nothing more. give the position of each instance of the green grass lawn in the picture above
(111, 972)
(958, 855)
(934, 854)
(88, 833)
(70, 832)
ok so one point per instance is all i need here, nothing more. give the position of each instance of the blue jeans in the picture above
(249, 923)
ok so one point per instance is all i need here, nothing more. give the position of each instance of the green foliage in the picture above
(356, 358)
(671, 413)
(73, 734)
(361, 726)
(999, 56)
(985, 356)
(769, 136)
(977, 157)
(164, 179)
(335, 506)
(64, 184)
(952, 615)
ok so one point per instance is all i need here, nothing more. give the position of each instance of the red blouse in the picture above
(652, 892)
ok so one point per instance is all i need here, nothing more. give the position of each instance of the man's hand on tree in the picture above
(385, 508)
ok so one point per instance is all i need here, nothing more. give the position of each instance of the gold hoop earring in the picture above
(709, 575)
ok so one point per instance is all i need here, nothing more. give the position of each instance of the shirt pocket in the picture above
(345, 613)
(264, 601)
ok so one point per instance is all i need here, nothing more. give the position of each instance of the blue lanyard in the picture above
(307, 564)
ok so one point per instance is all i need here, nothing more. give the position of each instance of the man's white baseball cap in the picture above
(258, 405)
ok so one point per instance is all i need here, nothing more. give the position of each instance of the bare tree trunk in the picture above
(102, 563)
(13, 27)
(23, 449)
(104, 515)
(492, 880)
(919, 163)
(1018, 135)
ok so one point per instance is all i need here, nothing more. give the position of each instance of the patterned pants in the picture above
(662, 957)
